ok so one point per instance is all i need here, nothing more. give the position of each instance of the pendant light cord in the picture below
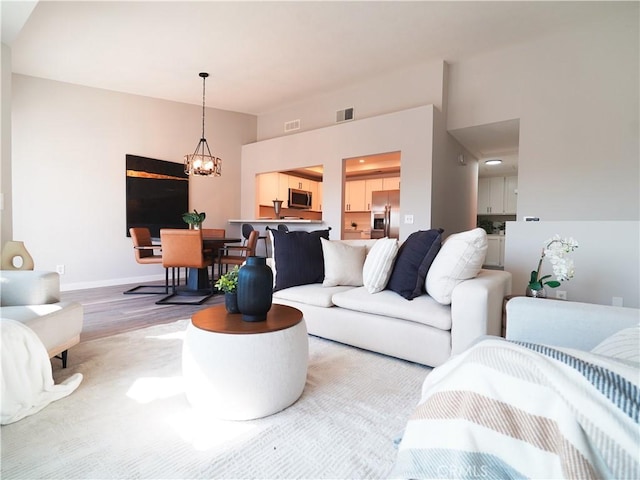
(204, 79)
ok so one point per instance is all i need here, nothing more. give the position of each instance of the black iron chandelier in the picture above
(201, 162)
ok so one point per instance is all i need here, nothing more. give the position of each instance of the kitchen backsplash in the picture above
(363, 219)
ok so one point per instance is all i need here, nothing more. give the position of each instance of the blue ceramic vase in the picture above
(255, 289)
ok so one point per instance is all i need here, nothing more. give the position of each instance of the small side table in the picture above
(239, 370)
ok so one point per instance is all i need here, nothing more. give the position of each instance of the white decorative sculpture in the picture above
(16, 257)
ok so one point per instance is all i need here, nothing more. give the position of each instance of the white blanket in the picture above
(27, 378)
(505, 410)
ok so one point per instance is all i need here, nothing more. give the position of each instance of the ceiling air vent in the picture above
(344, 115)
(292, 125)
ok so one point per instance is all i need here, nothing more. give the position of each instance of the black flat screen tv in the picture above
(157, 194)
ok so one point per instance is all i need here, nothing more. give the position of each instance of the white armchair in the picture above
(33, 298)
(565, 324)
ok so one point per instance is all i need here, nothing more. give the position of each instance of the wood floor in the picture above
(108, 311)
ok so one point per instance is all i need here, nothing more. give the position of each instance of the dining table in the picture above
(198, 280)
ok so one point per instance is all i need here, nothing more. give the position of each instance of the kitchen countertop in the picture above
(277, 220)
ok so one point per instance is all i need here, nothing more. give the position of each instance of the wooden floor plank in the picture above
(108, 311)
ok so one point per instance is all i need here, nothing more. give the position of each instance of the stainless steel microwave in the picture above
(299, 198)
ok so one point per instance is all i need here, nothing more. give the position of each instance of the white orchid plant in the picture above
(556, 250)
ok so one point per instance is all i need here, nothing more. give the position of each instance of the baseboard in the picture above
(114, 281)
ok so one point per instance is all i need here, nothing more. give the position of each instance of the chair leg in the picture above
(63, 356)
(151, 289)
(199, 299)
(173, 280)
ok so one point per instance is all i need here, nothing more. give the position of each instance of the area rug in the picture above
(130, 418)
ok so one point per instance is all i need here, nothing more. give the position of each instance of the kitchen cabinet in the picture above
(391, 183)
(300, 183)
(317, 198)
(309, 185)
(511, 195)
(372, 185)
(354, 196)
(313, 188)
(268, 188)
(272, 186)
(495, 251)
(491, 195)
(497, 195)
(357, 197)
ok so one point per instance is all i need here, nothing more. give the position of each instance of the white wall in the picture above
(409, 131)
(5, 141)
(576, 95)
(401, 89)
(455, 186)
(607, 262)
(69, 147)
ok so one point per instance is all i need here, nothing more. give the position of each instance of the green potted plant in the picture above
(486, 225)
(354, 225)
(194, 219)
(228, 284)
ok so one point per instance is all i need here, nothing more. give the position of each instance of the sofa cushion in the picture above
(422, 309)
(379, 264)
(413, 261)
(342, 263)
(298, 258)
(460, 258)
(622, 345)
(311, 294)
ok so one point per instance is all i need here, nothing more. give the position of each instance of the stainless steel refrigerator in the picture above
(385, 214)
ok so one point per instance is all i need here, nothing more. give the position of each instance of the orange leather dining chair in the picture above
(209, 233)
(183, 248)
(247, 228)
(236, 254)
(213, 232)
(144, 250)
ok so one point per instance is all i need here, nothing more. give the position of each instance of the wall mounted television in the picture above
(157, 194)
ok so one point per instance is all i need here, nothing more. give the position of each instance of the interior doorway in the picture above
(362, 176)
(496, 146)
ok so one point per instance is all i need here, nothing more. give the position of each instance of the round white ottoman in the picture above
(239, 370)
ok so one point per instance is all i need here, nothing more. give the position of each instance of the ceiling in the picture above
(262, 55)
(500, 140)
(266, 55)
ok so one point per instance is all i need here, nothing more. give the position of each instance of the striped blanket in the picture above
(507, 410)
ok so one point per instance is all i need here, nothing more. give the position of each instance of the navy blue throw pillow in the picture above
(414, 258)
(298, 256)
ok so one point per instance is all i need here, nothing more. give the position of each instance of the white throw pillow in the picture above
(271, 261)
(624, 344)
(460, 258)
(379, 264)
(342, 263)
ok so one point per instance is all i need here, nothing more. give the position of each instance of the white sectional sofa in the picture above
(33, 298)
(420, 330)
